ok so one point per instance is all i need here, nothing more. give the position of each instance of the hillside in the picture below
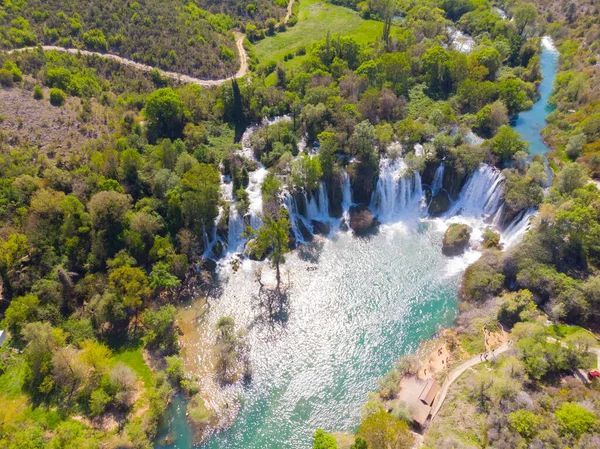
(175, 35)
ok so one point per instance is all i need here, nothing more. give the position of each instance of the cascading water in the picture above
(397, 193)
(255, 197)
(295, 218)
(482, 195)
(317, 206)
(346, 197)
(354, 308)
(517, 228)
(235, 224)
(438, 180)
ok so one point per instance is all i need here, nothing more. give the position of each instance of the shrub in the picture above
(95, 40)
(57, 97)
(6, 78)
(525, 423)
(574, 419)
(38, 93)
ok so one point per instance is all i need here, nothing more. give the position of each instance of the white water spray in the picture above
(397, 192)
(482, 195)
(438, 180)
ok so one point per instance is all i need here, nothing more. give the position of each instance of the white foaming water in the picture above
(346, 197)
(482, 195)
(548, 44)
(246, 149)
(438, 180)
(235, 224)
(500, 12)
(397, 193)
(473, 138)
(255, 197)
(289, 203)
(517, 229)
(317, 206)
(461, 41)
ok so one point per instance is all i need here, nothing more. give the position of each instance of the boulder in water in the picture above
(320, 227)
(168, 440)
(217, 250)
(456, 239)
(208, 265)
(306, 234)
(361, 219)
(439, 204)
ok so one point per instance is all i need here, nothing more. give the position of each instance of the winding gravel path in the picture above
(186, 79)
(239, 42)
(456, 373)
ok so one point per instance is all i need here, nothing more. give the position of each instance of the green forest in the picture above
(111, 188)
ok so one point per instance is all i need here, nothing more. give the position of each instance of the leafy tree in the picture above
(21, 311)
(382, 431)
(323, 440)
(574, 419)
(201, 196)
(513, 96)
(164, 112)
(306, 172)
(273, 239)
(526, 423)
(571, 178)
(506, 143)
(131, 286)
(160, 329)
(516, 306)
(575, 145)
(525, 15)
(436, 64)
(38, 93)
(359, 443)
(175, 370)
(161, 277)
(489, 58)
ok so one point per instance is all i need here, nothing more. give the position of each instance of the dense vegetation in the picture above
(175, 35)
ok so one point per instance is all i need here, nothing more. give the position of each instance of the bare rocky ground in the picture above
(55, 130)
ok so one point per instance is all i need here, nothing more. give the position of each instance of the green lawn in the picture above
(132, 357)
(315, 19)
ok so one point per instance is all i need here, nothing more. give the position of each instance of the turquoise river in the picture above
(354, 306)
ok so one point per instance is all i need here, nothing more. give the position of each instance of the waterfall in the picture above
(255, 207)
(461, 41)
(235, 230)
(295, 218)
(438, 180)
(517, 228)
(210, 241)
(482, 195)
(317, 207)
(396, 193)
(346, 197)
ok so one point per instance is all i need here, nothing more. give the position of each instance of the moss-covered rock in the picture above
(491, 239)
(456, 239)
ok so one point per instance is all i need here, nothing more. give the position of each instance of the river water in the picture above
(353, 307)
